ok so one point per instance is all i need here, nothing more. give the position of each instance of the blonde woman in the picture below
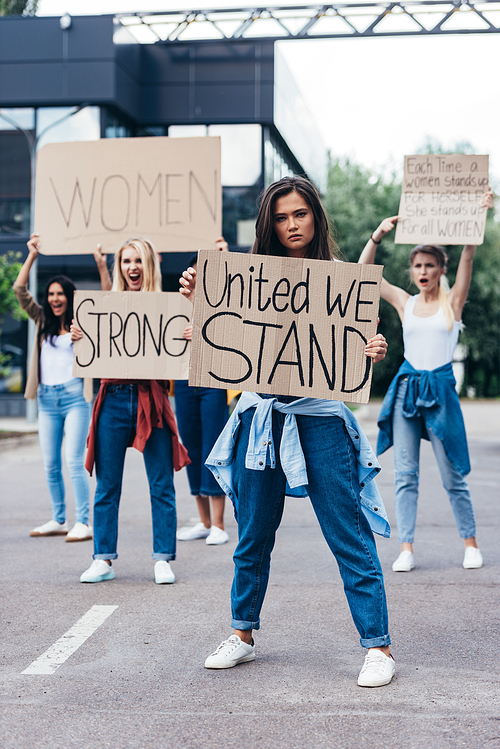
(422, 400)
(134, 412)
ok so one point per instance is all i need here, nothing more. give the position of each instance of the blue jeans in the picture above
(117, 421)
(62, 410)
(334, 493)
(407, 435)
(201, 416)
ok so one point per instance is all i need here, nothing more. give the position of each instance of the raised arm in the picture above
(24, 273)
(460, 289)
(392, 294)
(102, 267)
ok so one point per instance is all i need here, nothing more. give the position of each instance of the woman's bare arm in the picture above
(392, 294)
(460, 289)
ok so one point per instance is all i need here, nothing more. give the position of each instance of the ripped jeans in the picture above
(407, 435)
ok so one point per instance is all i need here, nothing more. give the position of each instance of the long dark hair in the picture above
(52, 324)
(322, 247)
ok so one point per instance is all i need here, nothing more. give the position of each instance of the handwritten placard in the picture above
(284, 326)
(440, 200)
(165, 189)
(130, 335)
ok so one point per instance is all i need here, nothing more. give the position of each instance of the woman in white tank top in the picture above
(422, 399)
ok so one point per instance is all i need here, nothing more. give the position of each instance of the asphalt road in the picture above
(139, 681)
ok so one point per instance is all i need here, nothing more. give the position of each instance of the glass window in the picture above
(239, 211)
(187, 131)
(15, 172)
(241, 153)
(24, 117)
(115, 126)
(83, 125)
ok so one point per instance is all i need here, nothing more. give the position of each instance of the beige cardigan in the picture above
(35, 311)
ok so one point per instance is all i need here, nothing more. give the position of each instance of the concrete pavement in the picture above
(139, 680)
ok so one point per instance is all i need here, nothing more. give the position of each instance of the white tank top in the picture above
(56, 362)
(428, 343)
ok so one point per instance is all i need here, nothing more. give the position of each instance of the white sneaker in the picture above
(52, 528)
(191, 533)
(163, 573)
(231, 652)
(217, 536)
(473, 559)
(378, 669)
(404, 563)
(79, 532)
(98, 571)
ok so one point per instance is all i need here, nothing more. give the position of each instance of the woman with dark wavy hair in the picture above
(422, 400)
(63, 408)
(323, 453)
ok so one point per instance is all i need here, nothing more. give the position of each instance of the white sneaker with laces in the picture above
(231, 652)
(473, 559)
(163, 573)
(98, 571)
(378, 669)
(79, 532)
(404, 563)
(216, 536)
(52, 528)
(191, 533)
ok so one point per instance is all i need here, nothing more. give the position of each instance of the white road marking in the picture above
(71, 640)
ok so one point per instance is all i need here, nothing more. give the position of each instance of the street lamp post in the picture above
(33, 141)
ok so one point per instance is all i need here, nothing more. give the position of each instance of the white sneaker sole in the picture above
(230, 664)
(100, 578)
(74, 539)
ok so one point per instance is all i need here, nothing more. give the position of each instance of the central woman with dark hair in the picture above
(335, 462)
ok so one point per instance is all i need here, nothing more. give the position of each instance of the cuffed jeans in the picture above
(63, 411)
(407, 435)
(117, 420)
(334, 493)
(201, 416)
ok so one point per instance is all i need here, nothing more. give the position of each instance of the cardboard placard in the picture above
(284, 326)
(132, 336)
(167, 190)
(440, 199)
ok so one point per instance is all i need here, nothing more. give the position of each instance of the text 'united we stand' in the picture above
(284, 326)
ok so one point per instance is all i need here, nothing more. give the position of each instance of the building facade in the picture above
(240, 90)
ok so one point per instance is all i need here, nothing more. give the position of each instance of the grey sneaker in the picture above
(231, 652)
(378, 669)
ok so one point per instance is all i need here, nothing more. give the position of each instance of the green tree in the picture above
(18, 7)
(9, 271)
(357, 200)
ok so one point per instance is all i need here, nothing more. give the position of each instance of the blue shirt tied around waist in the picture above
(260, 452)
(430, 394)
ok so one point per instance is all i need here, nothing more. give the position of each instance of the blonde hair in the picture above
(151, 280)
(444, 287)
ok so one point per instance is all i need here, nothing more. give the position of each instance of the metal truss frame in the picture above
(318, 21)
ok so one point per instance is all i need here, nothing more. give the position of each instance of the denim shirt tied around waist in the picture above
(260, 452)
(431, 395)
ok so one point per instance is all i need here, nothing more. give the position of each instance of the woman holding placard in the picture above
(422, 400)
(63, 400)
(137, 413)
(322, 450)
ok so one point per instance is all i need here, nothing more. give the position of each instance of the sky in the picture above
(376, 99)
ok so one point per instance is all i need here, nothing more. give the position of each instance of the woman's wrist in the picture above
(376, 241)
